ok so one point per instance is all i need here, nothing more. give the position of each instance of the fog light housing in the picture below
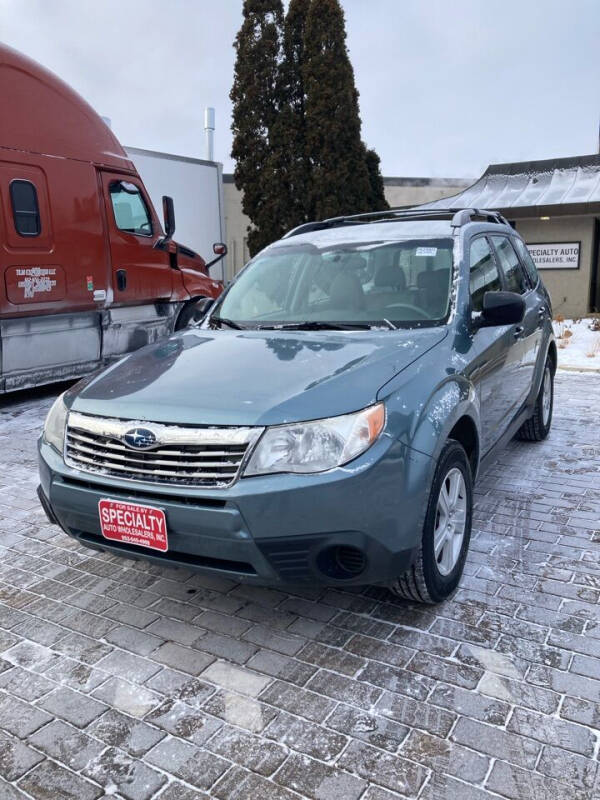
(342, 562)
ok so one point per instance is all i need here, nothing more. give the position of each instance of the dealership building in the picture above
(553, 204)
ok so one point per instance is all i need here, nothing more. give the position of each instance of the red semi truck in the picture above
(87, 272)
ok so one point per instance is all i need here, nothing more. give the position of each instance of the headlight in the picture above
(56, 421)
(318, 445)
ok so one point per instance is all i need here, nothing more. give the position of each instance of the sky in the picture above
(446, 86)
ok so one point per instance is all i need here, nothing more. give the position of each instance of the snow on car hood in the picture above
(204, 377)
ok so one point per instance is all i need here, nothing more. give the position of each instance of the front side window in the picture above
(406, 283)
(25, 208)
(129, 207)
(483, 275)
(527, 261)
(509, 263)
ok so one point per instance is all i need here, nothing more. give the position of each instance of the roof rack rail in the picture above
(466, 215)
(307, 227)
(457, 218)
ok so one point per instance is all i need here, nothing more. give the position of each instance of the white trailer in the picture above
(196, 187)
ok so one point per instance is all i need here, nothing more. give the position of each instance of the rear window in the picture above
(25, 208)
(527, 262)
(510, 265)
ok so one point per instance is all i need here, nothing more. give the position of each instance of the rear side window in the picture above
(130, 210)
(484, 276)
(25, 208)
(510, 265)
(527, 262)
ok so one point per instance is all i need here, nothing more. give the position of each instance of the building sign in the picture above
(555, 255)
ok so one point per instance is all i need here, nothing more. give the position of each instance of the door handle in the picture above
(121, 279)
(518, 331)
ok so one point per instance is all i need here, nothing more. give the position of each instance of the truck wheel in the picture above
(537, 427)
(436, 572)
(189, 314)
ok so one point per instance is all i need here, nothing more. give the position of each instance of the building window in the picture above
(26, 212)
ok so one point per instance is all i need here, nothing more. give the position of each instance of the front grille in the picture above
(187, 456)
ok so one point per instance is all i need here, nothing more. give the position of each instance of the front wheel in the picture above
(437, 570)
(191, 314)
(537, 427)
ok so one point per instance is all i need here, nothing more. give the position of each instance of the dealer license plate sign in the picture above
(132, 523)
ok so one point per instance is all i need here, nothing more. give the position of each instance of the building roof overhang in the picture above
(554, 187)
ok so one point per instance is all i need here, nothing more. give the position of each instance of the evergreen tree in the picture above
(376, 201)
(340, 182)
(296, 124)
(255, 106)
(289, 135)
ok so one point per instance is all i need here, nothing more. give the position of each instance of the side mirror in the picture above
(220, 250)
(502, 308)
(168, 216)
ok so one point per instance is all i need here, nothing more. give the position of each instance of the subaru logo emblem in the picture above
(139, 438)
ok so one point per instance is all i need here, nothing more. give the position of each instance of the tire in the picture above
(189, 314)
(431, 579)
(537, 427)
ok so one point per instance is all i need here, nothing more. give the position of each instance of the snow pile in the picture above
(578, 344)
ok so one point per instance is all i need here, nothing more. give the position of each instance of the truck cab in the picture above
(87, 270)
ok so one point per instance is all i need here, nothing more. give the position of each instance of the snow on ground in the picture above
(578, 345)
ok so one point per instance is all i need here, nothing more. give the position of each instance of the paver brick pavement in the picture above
(126, 680)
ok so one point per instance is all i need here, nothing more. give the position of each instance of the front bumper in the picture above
(270, 530)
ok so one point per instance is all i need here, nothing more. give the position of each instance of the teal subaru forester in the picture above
(325, 420)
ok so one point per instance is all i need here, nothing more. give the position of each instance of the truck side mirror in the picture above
(220, 250)
(168, 216)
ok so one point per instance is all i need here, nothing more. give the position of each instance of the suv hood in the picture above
(204, 377)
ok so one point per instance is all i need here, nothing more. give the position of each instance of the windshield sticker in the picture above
(426, 251)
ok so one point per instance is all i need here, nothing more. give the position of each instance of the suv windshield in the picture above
(398, 284)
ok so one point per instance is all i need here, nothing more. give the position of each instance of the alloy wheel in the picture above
(546, 396)
(450, 521)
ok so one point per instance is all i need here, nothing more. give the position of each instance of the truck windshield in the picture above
(402, 283)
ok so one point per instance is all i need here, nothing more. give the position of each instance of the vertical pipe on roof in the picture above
(209, 127)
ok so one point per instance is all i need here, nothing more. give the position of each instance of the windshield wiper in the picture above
(229, 323)
(316, 325)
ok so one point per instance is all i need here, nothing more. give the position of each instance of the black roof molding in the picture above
(399, 181)
(544, 165)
